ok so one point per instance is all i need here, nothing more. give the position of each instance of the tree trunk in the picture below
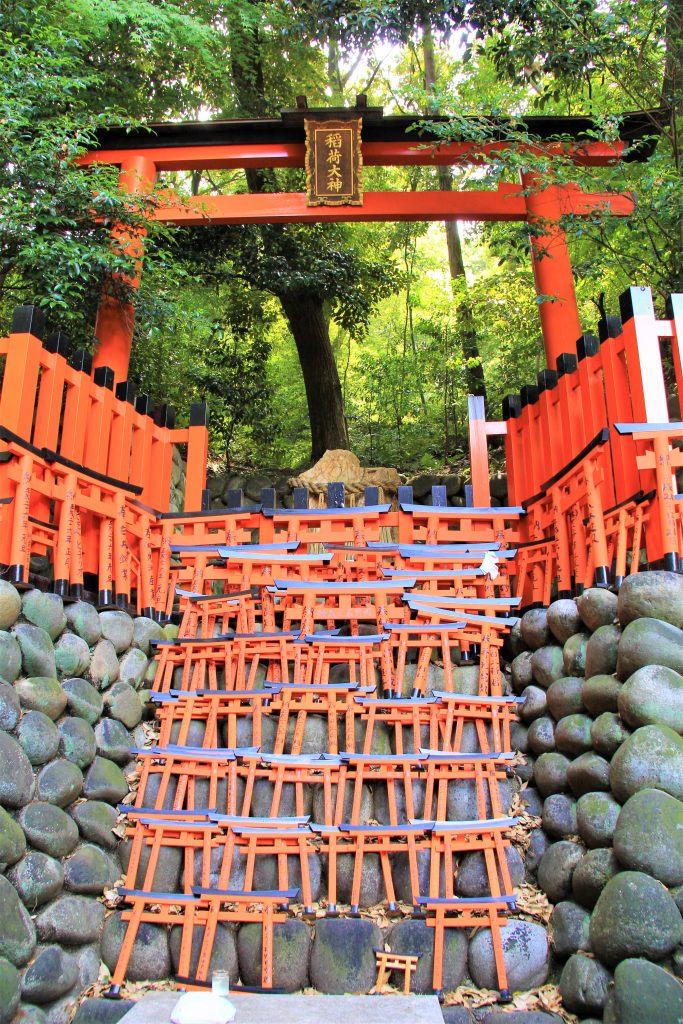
(474, 370)
(309, 327)
(304, 311)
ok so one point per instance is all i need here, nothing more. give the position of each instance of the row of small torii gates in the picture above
(270, 601)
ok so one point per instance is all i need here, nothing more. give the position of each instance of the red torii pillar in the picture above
(116, 319)
(552, 267)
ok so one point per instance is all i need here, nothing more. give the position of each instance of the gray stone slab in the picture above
(302, 1009)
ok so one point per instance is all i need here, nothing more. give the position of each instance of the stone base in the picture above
(300, 1009)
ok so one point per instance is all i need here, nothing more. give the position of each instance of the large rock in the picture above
(50, 975)
(541, 735)
(653, 695)
(643, 993)
(372, 884)
(10, 708)
(10, 604)
(538, 844)
(117, 626)
(573, 735)
(72, 655)
(634, 916)
(600, 693)
(83, 699)
(10, 657)
(342, 957)
(601, 651)
(37, 650)
(569, 929)
(522, 671)
(649, 835)
(77, 741)
(89, 871)
(649, 642)
(559, 816)
(223, 954)
(71, 920)
(95, 820)
(597, 607)
(104, 665)
(44, 610)
(49, 828)
(652, 758)
(588, 773)
(41, 693)
(38, 736)
(584, 984)
(547, 665)
(105, 781)
(84, 621)
(564, 697)
(16, 774)
(592, 874)
(556, 869)
(37, 878)
(550, 773)
(150, 959)
(114, 741)
(608, 732)
(145, 632)
(28, 1013)
(102, 1011)
(60, 782)
(574, 655)
(656, 595)
(132, 668)
(17, 933)
(124, 704)
(564, 619)
(473, 879)
(525, 952)
(534, 705)
(291, 951)
(10, 989)
(596, 816)
(412, 937)
(12, 839)
(167, 871)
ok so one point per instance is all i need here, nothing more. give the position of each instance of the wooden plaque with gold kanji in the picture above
(333, 162)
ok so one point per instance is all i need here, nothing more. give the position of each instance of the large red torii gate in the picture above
(386, 141)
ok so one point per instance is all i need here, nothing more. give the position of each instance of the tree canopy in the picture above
(319, 335)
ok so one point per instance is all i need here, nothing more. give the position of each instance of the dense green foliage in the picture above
(214, 311)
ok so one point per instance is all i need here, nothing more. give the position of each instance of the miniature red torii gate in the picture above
(386, 141)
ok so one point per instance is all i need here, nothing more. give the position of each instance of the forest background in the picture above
(406, 317)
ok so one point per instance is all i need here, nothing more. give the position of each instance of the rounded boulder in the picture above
(343, 957)
(16, 774)
(643, 993)
(653, 695)
(651, 758)
(150, 958)
(649, 835)
(291, 952)
(564, 619)
(657, 595)
(525, 952)
(596, 816)
(597, 607)
(635, 916)
(649, 642)
(44, 610)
